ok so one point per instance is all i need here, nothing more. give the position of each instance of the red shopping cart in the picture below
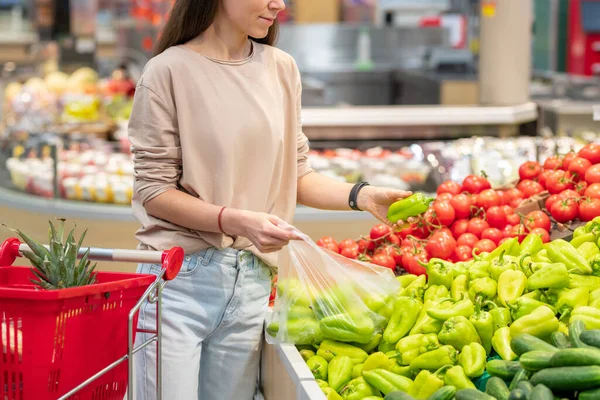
(77, 343)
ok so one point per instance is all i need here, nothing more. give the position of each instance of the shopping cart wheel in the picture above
(9, 251)
(172, 261)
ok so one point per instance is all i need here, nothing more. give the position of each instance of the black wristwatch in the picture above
(353, 198)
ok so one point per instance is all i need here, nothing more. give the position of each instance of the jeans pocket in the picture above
(264, 272)
(190, 265)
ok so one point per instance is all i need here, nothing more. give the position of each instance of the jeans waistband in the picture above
(221, 256)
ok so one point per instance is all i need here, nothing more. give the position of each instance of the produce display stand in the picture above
(73, 343)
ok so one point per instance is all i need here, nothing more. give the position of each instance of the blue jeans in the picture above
(212, 320)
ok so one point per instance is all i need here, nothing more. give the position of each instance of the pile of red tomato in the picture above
(469, 218)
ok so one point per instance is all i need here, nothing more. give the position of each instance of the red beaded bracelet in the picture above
(219, 220)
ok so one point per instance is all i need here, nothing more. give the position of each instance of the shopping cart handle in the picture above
(171, 260)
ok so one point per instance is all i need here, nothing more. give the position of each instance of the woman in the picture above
(220, 163)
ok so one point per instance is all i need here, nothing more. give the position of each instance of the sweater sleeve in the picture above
(155, 145)
(304, 167)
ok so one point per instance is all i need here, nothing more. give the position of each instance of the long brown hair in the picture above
(189, 18)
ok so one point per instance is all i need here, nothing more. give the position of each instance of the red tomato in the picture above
(591, 152)
(519, 231)
(580, 187)
(569, 194)
(551, 200)
(467, 239)
(379, 231)
(449, 187)
(444, 197)
(410, 262)
(553, 163)
(444, 212)
(508, 210)
(592, 175)
(475, 184)
(477, 226)
(463, 253)
(530, 188)
(392, 251)
(459, 227)
(567, 159)
(440, 245)
(516, 203)
(393, 239)
(543, 177)
(347, 243)
(513, 219)
(331, 246)
(484, 246)
(593, 191)
(494, 234)
(564, 210)
(579, 166)
(529, 170)
(384, 260)
(589, 209)
(350, 252)
(496, 217)
(537, 219)
(444, 231)
(559, 181)
(488, 198)
(542, 233)
(365, 245)
(503, 240)
(507, 231)
(514, 193)
(326, 239)
(462, 206)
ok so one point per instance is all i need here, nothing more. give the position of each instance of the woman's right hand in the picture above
(265, 231)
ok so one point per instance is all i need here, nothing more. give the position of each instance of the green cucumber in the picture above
(575, 357)
(536, 360)
(503, 369)
(525, 342)
(541, 392)
(591, 338)
(526, 387)
(522, 375)
(593, 394)
(568, 378)
(496, 387)
(517, 394)
(398, 396)
(560, 340)
(445, 393)
(576, 328)
(472, 394)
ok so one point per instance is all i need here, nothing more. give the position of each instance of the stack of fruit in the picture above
(438, 331)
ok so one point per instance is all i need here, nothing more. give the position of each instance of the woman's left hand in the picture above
(378, 200)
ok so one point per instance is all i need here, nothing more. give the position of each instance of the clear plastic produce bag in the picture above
(323, 295)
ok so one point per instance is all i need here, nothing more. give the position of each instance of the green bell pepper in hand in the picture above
(386, 381)
(550, 276)
(511, 286)
(524, 306)
(426, 384)
(472, 359)
(330, 348)
(479, 269)
(439, 273)
(339, 372)
(458, 332)
(429, 342)
(483, 322)
(456, 377)
(318, 366)
(482, 289)
(411, 206)
(590, 316)
(416, 288)
(500, 315)
(409, 348)
(560, 251)
(460, 287)
(462, 307)
(501, 343)
(357, 389)
(433, 360)
(426, 324)
(404, 317)
(331, 394)
(436, 293)
(540, 323)
(378, 360)
(572, 299)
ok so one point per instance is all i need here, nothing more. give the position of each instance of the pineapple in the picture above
(56, 266)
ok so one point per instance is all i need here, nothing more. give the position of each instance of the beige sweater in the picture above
(228, 133)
